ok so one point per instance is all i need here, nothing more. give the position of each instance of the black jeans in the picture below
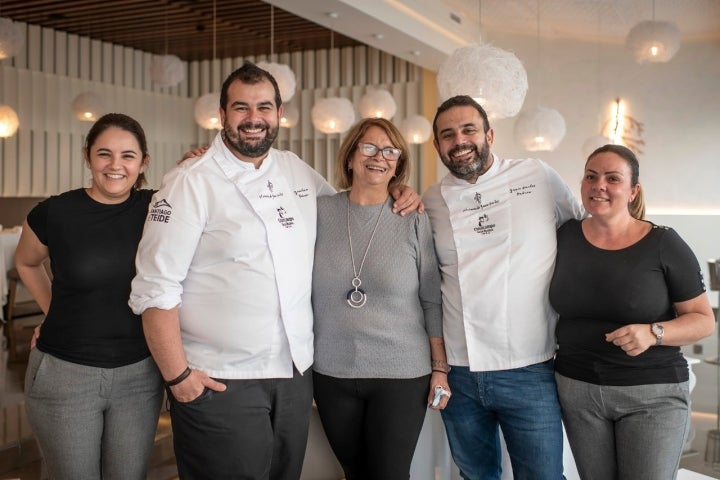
(373, 424)
(256, 429)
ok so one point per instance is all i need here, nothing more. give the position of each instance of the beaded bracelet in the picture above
(179, 378)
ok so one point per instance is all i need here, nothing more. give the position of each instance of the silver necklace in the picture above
(356, 296)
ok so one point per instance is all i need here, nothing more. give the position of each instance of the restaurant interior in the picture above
(559, 77)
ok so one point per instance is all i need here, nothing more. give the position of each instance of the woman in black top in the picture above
(93, 393)
(629, 294)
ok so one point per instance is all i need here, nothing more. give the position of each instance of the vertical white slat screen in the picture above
(137, 70)
(72, 62)
(48, 50)
(96, 61)
(60, 45)
(34, 48)
(45, 156)
(83, 56)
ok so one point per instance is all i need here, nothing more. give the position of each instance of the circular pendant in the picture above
(356, 298)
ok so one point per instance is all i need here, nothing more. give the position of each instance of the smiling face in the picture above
(115, 161)
(462, 143)
(606, 188)
(251, 120)
(372, 171)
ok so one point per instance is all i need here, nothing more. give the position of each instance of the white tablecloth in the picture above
(9, 238)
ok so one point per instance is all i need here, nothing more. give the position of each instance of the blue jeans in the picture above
(524, 403)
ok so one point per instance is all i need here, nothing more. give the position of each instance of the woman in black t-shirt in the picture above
(92, 390)
(629, 294)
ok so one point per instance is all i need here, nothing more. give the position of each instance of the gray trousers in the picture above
(93, 423)
(625, 432)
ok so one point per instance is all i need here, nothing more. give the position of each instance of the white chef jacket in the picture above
(496, 245)
(234, 246)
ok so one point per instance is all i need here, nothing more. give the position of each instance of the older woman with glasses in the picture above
(377, 305)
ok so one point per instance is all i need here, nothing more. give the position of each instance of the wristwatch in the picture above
(658, 331)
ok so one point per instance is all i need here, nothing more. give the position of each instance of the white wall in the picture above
(677, 102)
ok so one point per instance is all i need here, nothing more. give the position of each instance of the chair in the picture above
(714, 271)
(17, 309)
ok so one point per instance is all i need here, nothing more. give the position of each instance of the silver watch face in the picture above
(658, 330)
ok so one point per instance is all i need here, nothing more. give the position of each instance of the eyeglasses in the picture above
(388, 153)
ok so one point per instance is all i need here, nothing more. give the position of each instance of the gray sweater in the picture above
(388, 337)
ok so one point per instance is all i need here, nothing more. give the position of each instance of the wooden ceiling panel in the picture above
(178, 27)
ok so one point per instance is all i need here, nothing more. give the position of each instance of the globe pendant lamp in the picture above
(495, 78)
(207, 111)
(415, 129)
(88, 107)
(377, 103)
(539, 129)
(284, 77)
(9, 121)
(652, 41)
(333, 114)
(11, 38)
(167, 70)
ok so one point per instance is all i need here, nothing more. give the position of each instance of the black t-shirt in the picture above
(596, 291)
(92, 252)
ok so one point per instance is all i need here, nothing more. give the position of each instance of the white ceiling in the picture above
(426, 31)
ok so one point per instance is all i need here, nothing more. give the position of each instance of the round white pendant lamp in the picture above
(88, 107)
(539, 129)
(11, 38)
(652, 41)
(207, 111)
(495, 78)
(284, 77)
(9, 121)
(377, 103)
(333, 114)
(167, 70)
(415, 129)
(283, 74)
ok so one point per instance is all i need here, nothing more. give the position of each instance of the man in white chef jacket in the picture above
(223, 285)
(494, 223)
(223, 271)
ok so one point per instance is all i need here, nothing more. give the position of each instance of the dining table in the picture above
(9, 238)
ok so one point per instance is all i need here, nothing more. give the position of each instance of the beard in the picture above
(254, 149)
(471, 170)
